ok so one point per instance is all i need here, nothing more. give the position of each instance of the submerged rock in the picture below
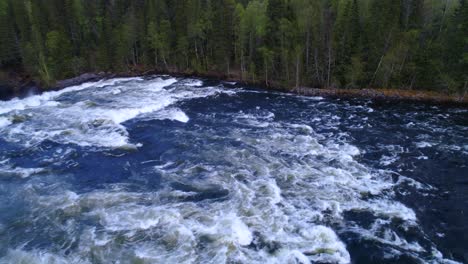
(198, 193)
(15, 119)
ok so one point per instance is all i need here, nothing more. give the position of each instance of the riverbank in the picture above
(386, 94)
(13, 85)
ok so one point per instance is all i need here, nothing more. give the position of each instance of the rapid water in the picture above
(166, 170)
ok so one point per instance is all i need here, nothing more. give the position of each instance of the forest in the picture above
(405, 44)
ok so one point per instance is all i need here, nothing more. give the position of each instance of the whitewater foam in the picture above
(9, 170)
(39, 257)
(95, 118)
(38, 100)
(238, 187)
(4, 122)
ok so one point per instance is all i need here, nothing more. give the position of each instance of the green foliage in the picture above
(456, 68)
(8, 49)
(59, 54)
(343, 43)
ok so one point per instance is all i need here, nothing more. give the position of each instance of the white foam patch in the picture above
(310, 98)
(172, 114)
(7, 170)
(379, 233)
(38, 100)
(95, 114)
(257, 120)
(193, 82)
(4, 122)
(423, 144)
(229, 229)
(131, 218)
(390, 209)
(181, 117)
(20, 172)
(38, 257)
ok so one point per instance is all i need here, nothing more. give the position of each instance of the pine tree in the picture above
(342, 43)
(457, 48)
(8, 49)
(59, 54)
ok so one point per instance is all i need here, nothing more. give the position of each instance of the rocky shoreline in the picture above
(386, 95)
(22, 88)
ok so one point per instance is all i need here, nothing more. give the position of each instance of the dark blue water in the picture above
(165, 170)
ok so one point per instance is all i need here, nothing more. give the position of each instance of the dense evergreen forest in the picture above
(410, 44)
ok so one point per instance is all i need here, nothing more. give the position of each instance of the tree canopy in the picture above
(320, 43)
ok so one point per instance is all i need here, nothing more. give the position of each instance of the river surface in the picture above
(171, 170)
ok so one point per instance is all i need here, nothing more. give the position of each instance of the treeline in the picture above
(321, 43)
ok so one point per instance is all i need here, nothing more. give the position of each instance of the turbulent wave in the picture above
(247, 185)
(92, 114)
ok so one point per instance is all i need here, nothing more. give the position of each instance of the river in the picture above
(176, 170)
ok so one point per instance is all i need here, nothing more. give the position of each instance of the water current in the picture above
(175, 170)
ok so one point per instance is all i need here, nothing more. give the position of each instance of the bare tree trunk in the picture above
(228, 67)
(136, 54)
(196, 50)
(443, 16)
(329, 66)
(165, 62)
(307, 49)
(376, 70)
(412, 82)
(389, 76)
(205, 57)
(403, 63)
(387, 41)
(297, 68)
(319, 77)
(250, 45)
(465, 90)
(242, 64)
(235, 53)
(328, 35)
